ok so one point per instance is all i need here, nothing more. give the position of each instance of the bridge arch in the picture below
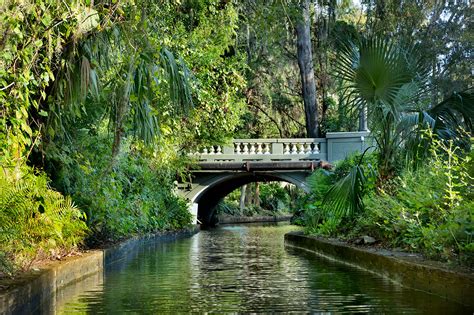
(213, 187)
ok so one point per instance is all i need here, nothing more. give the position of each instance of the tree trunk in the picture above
(242, 199)
(121, 110)
(305, 63)
(257, 194)
(248, 196)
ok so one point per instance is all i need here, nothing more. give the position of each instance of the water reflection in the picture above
(244, 268)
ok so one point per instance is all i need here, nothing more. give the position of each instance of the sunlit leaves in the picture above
(34, 34)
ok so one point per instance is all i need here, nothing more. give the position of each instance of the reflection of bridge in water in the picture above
(220, 170)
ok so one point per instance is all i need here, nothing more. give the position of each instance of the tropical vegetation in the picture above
(100, 101)
(261, 199)
(414, 191)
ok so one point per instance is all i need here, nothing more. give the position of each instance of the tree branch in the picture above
(269, 117)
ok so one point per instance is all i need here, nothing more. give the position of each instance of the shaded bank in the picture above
(38, 289)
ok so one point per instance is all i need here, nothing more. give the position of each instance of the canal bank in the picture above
(38, 288)
(401, 268)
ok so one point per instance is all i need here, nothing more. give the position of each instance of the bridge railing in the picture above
(334, 147)
(265, 149)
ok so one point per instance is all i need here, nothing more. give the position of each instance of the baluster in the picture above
(218, 150)
(307, 149)
(252, 148)
(246, 149)
(204, 151)
(301, 145)
(237, 147)
(294, 149)
(316, 148)
(211, 150)
(267, 148)
(286, 148)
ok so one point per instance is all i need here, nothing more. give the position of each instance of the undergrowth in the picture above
(36, 222)
(132, 196)
(428, 209)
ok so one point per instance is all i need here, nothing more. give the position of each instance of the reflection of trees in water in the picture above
(243, 269)
(250, 267)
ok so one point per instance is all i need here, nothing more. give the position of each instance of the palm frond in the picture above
(344, 198)
(377, 70)
(178, 77)
(454, 112)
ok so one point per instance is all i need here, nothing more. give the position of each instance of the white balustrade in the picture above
(246, 148)
(294, 149)
(335, 146)
(237, 147)
(315, 149)
(301, 151)
(267, 148)
(252, 148)
(264, 149)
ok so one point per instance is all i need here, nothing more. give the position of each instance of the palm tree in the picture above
(390, 81)
(121, 74)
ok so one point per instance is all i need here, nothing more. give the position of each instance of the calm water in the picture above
(243, 268)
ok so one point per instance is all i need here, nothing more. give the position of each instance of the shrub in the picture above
(320, 215)
(131, 197)
(36, 222)
(431, 211)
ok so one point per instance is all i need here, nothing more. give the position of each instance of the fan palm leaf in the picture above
(453, 112)
(344, 198)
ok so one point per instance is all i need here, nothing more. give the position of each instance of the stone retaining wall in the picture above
(399, 267)
(37, 290)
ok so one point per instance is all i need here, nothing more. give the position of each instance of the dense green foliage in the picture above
(262, 199)
(36, 222)
(431, 211)
(414, 192)
(428, 209)
(99, 101)
(103, 98)
(135, 197)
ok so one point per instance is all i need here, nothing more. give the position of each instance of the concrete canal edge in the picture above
(402, 269)
(30, 291)
(256, 219)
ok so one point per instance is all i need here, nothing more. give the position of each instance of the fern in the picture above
(35, 221)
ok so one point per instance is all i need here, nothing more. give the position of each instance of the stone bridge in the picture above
(221, 169)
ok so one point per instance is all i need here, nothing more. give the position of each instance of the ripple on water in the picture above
(243, 268)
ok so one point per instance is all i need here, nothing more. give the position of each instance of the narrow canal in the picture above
(241, 268)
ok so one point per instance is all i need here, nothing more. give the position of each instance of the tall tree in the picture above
(305, 63)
